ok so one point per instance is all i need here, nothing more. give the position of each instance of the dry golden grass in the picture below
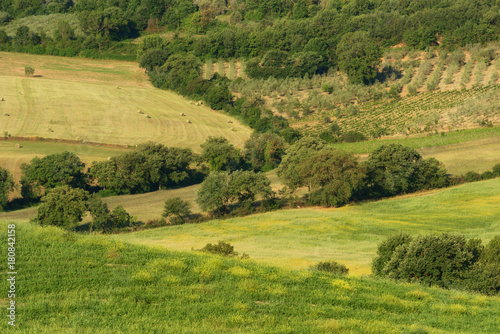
(102, 101)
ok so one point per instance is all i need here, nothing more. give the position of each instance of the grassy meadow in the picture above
(69, 283)
(102, 101)
(298, 238)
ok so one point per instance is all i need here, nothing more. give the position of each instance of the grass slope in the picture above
(99, 101)
(300, 237)
(91, 284)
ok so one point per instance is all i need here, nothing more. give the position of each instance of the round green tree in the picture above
(358, 56)
(63, 207)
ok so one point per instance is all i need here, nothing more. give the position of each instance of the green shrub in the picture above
(443, 260)
(29, 71)
(331, 267)
(385, 251)
(176, 210)
(222, 248)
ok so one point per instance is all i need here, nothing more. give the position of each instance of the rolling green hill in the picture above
(298, 238)
(68, 283)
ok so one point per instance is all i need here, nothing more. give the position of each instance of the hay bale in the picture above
(2, 99)
(140, 112)
(18, 146)
(118, 87)
(147, 116)
(6, 114)
(233, 129)
(230, 121)
(188, 121)
(183, 114)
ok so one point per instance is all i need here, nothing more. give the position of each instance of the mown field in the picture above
(298, 238)
(102, 101)
(70, 283)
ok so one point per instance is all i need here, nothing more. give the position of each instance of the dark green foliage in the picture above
(221, 188)
(296, 154)
(220, 154)
(444, 260)
(472, 176)
(385, 252)
(496, 170)
(4, 18)
(396, 169)
(213, 195)
(264, 151)
(353, 136)
(179, 70)
(110, 23)
(151, 167)
(332, 176)
(491, 253)
(153, 59)
(6, 186)
(358, 56)
(244, 186)
(51, 171)
(120, 218)
(222, 248)
(331, 267)
(63, 207)
(29, 71)
(99, 212)
(105, 221)
(4, 38)
(176, 210)
(218, 96)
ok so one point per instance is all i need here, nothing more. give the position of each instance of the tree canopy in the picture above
(51, 171)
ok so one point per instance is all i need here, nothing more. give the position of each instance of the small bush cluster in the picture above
(448, 261)
(222, 248)
(331, 267)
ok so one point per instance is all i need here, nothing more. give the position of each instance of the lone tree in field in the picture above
(29, 71)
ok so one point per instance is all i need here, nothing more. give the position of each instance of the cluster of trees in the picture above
(445, 260)
(64, 206)
(150, 167)
(334, 177)
(102, 43)
(311, 35)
